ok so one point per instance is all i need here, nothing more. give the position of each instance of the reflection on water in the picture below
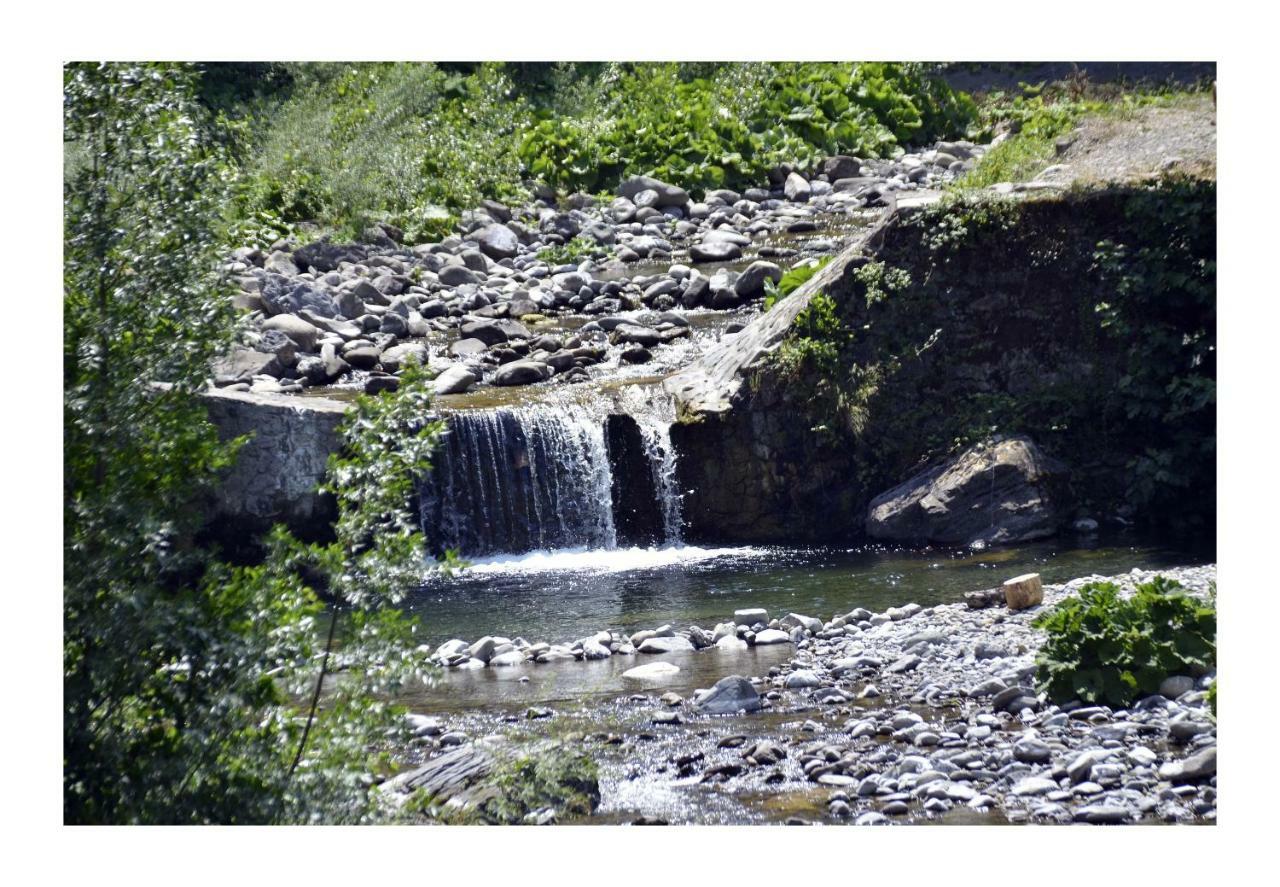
(561, 682)
(564, 595)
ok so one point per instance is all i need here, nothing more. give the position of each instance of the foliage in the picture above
(1014, 316)
(1212, 698)
(791, 280)
(1026, 151)
(1037, 118)
(413, 143)
(1102, 648)
(407, 143)
(814, 340)
(713, 126)
(571, 253)
(1164, 314)
(183, 676)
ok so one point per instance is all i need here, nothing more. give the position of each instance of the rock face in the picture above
(278, 471)
(999, 492)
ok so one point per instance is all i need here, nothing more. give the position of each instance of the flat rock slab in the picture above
(654, 671)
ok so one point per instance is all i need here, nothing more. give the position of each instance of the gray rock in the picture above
(303, 334)
(1031, 750)
(396, 357)
(801, 680)
(522, 372)
(242, 364)
(1200, 765)
(493, 332)
(653, 671)
(457, 275)
(772, 636)
(464, 348)
(730, 695)
(664, 645)
(997, 493)
(751, 283)
(715, 251)
(497, 241)
(808, 623)
(1175, 685)
(455, 380)
(796, 188)
(666, 195)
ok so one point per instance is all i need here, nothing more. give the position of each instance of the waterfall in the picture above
(513, 480)
(656, 435)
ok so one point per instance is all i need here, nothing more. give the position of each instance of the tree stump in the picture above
(1023, 591)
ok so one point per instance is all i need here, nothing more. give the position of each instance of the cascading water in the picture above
(656, 435)
(517, 480)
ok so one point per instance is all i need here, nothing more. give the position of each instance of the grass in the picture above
(1028, 151)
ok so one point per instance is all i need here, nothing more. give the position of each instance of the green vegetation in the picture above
(1106, 649)
(190, 685)
(412, 144)
(791, 281)
(1038, 118)
(1164, 318)
(571, 253)
(710, 126)
(1112, 364)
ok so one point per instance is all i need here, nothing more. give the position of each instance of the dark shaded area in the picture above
(1016, 321)
(636, 517)
(979, 77)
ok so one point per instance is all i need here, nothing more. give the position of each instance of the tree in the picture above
(187, 682)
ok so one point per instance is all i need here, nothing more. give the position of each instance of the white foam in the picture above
(605, 560)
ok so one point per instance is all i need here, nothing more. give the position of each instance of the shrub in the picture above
(1106, 649)
(792, 280)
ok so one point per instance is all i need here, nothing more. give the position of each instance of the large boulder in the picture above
(1001, 492)
(667, 195)
(715, 251)
(455, 380)
(497, 241)
(841, 166)
(242, 364)
(492, 332)
(522, 372)
(303, 334)
(394, 358)
(751, 284)
(280, 295)
(729, 696)
(796, 188)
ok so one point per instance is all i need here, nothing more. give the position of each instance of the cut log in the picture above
(1023, 591)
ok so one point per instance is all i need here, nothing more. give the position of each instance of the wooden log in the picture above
(1023, 591)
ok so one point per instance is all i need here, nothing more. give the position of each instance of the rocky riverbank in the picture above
(910, 714)
(481, 305)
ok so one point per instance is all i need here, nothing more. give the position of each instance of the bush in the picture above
(1105, 649)
(414, 143)
(792, 280)
(711, 126)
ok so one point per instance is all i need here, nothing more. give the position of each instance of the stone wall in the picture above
(279, 469)
(997, 332)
